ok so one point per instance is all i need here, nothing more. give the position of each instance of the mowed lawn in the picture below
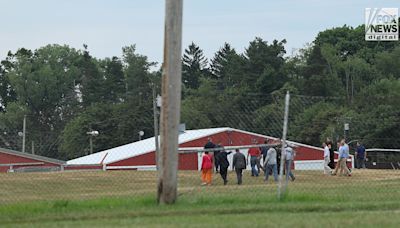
(369, 198)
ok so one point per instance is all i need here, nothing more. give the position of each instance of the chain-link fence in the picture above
(227, 151)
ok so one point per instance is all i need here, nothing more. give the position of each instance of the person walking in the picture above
(361, 156)
(239, 163)
(339, 148)
(216, 156)
(254, 154)
(331, 154)
(223, 164)
(345, 153)
(342, 161)
(206, 169)
(289, 156)
(278, 158)
(211, 145)
(270, 164)
(264, 151)
(327, 160)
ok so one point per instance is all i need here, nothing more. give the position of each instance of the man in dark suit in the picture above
(238, 164)
(223, 164)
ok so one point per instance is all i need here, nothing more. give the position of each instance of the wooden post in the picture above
(171, 103)
(33, 147)
(24, 134)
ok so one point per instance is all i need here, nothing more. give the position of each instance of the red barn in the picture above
(141, 154)
(11, 160)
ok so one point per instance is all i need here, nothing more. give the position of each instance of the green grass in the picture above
(368, 199)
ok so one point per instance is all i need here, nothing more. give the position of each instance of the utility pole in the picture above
(91, 144)
(155, 115)
(171, 100)
(33, 147)
(24, 134)
(91, 135)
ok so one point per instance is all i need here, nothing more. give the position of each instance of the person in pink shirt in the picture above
(206, 169)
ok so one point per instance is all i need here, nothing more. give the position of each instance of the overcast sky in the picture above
(106, 26)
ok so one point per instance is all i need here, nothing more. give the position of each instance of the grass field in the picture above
(127, 198)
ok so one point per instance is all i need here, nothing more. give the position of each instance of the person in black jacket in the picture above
(238, 164)
(264, 152)
(209, 144)
(331, 154)
(223, 164)
(217, 162)
(278, 159)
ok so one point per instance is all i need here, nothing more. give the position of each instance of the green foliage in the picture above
(194, 66)
(137, 77)
(117, 125)
(338, 78)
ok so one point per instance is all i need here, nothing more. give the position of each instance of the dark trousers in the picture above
(239, 175)
(360, 163)
(288, 170)
(217, 166)
(223, 172)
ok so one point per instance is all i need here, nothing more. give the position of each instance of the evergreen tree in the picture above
(114, 84)
(227, 67)
(91, 81)
(137, 76)
(194, 66)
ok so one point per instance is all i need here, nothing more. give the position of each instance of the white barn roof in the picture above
(140, 147)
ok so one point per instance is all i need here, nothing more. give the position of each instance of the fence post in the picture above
(155, 119)
(171, 100)
(281, 189)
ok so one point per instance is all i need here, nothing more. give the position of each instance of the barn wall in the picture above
(185, 161)
(83, 167)
(226, 138)
(308, 153)
(6, 158)
(192, 161)
(144, 159)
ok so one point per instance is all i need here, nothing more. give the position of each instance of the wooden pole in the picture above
(171, 103)
(33, 147)
(24, 134)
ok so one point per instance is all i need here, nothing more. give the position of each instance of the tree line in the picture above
(339, 78)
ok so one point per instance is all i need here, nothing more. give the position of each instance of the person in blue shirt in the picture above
(341, 167)
(361, 156)
(343, 156)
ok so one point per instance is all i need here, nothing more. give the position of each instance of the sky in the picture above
(106, 26)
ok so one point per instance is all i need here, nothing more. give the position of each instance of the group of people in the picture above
(270, 162)
(267, 158)
(343, 154)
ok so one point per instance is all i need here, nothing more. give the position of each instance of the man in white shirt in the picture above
(327, 159)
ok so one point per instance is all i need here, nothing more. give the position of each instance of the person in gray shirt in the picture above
(270, 164)
(289, 154)
(238, 164)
